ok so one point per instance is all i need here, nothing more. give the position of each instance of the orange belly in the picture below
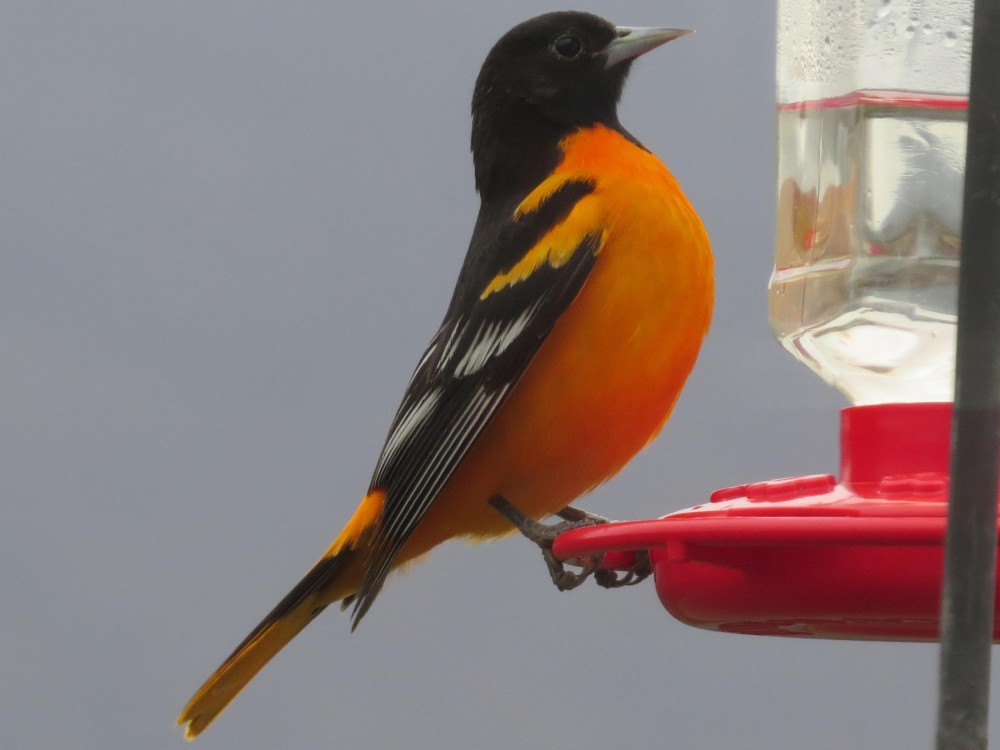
(609, 373)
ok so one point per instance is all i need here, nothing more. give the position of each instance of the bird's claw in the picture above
(544, 534)
(567, 580)
(639, 572)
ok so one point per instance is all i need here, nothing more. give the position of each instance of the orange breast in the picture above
(609, 373)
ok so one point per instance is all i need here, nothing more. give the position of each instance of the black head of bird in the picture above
(547, 77)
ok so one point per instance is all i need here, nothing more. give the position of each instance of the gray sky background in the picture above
(228, 231)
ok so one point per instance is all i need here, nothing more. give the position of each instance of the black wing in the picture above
(502, 311)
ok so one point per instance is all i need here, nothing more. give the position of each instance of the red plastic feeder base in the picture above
(808, 556)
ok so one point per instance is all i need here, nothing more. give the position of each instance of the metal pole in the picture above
(971, 544)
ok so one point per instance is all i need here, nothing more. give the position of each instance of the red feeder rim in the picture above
(808, 556)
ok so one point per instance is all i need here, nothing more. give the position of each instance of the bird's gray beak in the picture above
(632, 41)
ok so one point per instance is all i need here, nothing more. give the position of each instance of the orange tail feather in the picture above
(310, 597)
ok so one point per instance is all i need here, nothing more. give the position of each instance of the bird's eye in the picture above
(567, 47)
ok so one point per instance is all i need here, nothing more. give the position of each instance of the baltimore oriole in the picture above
(577, 316)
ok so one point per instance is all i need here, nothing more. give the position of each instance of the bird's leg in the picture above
(577, 515)
(573, 518)
(544, 534)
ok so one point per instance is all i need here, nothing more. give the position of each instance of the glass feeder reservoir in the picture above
(871, 150)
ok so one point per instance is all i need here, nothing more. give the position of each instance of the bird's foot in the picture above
(544, 534)
(615, 579)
